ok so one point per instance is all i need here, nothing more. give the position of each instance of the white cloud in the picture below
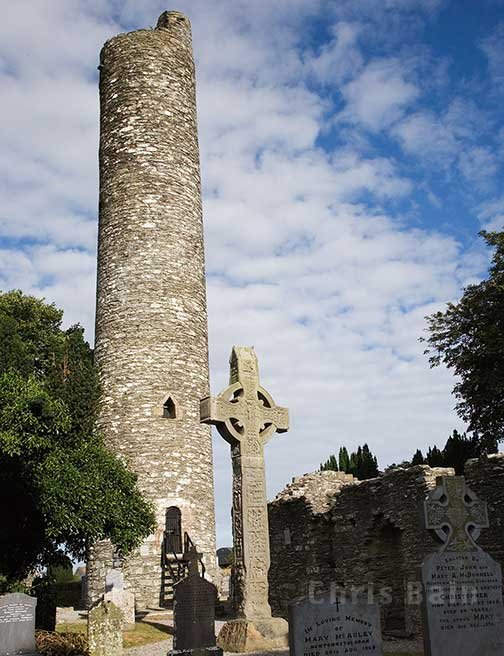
(491, 215)
(478, 164)
(450, 139)
(379, 95)
(493, 48)
(341, 58)
(424, 133)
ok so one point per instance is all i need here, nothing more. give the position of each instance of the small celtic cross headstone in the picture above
(455, 514)
(462, 585)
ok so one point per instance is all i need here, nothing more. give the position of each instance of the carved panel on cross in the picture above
(257, 542)
(255, 492)
(257, 520)
(258, 567)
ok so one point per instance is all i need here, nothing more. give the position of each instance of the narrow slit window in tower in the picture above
(169, 409)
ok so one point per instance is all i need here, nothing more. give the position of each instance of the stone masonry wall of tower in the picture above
(151, 317)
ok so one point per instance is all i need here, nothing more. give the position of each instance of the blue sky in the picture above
(351, 151)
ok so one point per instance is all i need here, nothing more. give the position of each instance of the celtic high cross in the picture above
(455, 514)
(246, 416)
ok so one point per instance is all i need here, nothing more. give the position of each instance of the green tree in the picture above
(418, 458)
(435, 457)
(60, 488)
(469, 339)
(355, 461)
(368, 467)
(458, 450)
(330, 464)
(361, 463)
(344, 460)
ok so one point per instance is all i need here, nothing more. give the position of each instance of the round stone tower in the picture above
(151, 316)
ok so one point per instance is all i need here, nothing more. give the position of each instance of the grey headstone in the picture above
(463, 604)
(462, 585)
(114, 579)
(17, 624)
(194, 614)
(330, 627)
(194, 610)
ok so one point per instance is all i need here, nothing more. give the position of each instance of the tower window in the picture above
(169, 409)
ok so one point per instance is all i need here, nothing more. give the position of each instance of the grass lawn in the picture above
(144, 634)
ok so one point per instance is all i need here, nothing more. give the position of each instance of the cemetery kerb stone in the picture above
(325, 626)
(462, 584)
(123, 599)
(194, 612)
(105, 622)
(17, 624)
(247, 417)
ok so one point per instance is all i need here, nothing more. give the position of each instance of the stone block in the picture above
(254, 635)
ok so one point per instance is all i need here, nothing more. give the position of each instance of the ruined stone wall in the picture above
(379, 538)
(151, 318)
(353, 534)
(301, 536)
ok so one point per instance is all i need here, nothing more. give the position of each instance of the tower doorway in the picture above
(173, 530)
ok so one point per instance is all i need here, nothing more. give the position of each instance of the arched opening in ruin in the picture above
(388, 574)
(173, 531)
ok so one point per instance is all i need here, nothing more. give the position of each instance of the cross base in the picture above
(254, 635)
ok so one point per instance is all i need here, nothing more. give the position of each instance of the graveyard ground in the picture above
(152, 637)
